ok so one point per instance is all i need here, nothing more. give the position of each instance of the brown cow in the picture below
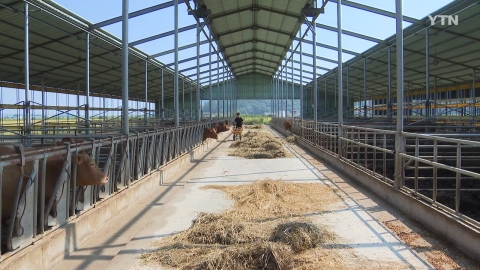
(288, 126)
(88, 173)
(222, 128)
(209, 133)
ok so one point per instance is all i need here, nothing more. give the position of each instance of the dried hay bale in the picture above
(300, 235)
(254, 126)
(214, 229)
(258, 145)
(276, 198)
(291, 139)
(262, 155)
(261, 255)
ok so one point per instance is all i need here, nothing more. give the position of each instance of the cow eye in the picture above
(92, 164)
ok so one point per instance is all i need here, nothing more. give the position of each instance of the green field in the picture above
(256, 119)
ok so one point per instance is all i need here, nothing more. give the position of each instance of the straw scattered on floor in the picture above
(258, 145)
(291, 139)
(254, 126)
(265, 229)
(441, 257)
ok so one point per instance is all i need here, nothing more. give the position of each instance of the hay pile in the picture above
(291, 139)
(254, 126)
(250, 235)
(257, 145)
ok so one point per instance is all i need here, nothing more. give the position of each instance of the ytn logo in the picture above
(452, 20)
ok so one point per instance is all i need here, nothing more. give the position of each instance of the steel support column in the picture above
(125, 129)
(176, 107)
(43, 105)
(183, 100)
(389, 93)
(349, 108)
(293, 84)
(301, 77)
(340, 79)
(146, 94)
(399, 140)
(223, 106)
(315, 92)
(210, 76)
(218, 89)
(365, 88)
(27, 75)
(199, 106)
(427, 76)
(326, 97)
(191, 102)
(474, 99)
(87, 85)
(435, 97)
(163, 99)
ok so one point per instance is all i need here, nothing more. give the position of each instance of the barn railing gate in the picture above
(126, 160)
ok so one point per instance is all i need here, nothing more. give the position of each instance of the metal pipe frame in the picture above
(374, 141)
(145, 114)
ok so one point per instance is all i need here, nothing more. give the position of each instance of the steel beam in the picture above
(377, 11)
(179, 49)
(162, 35)
(135, 14)
(349, 33)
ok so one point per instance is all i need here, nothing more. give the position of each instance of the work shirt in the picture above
(238, 122)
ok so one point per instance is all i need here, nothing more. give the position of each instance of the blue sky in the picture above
(157, 22)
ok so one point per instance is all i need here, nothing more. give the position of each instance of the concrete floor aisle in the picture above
(171, 208)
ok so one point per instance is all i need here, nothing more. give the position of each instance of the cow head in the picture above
(88, 173)
(226, 122)
(210, 133)
(222, 128)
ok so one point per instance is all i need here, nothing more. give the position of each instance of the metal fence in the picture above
(441, 171)
(126, 160)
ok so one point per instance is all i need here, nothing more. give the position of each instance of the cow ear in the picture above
(79, 160)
